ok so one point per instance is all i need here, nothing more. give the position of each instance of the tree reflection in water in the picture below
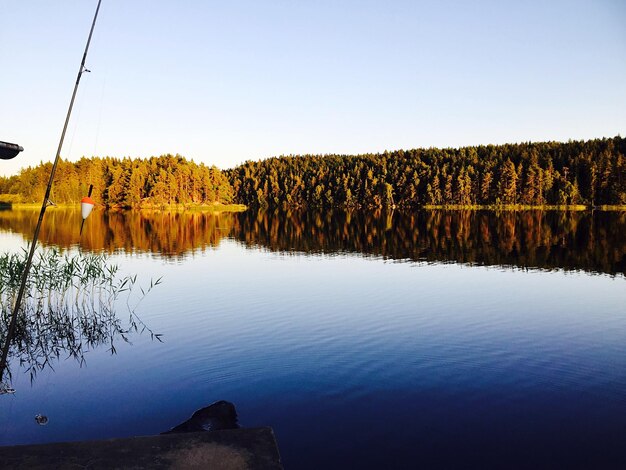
(592, 241)
(69, 307)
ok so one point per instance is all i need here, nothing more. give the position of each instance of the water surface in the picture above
(430, 339)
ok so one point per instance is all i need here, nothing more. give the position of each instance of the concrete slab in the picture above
(233, 449)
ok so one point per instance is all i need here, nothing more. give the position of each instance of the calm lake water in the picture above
(405, 340)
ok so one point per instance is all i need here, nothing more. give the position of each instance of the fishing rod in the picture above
(46, 202)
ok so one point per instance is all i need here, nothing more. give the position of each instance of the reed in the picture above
(69, 307)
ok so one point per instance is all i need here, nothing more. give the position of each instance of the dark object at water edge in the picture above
(251, 448)
(217, 416)
(9, 151)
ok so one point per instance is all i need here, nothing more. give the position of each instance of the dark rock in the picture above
(217, 416)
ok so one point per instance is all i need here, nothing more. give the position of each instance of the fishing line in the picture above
(95, 145)
(46, 200)
(104, 68)
(81, 104)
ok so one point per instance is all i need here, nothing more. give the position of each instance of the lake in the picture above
(434, 339)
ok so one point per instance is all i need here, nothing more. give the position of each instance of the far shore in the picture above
(151, 207)
(242, 207)
(523, 207)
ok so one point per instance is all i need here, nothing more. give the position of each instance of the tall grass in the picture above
(69, 307)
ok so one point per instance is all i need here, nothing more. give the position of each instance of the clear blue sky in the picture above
(224, 82)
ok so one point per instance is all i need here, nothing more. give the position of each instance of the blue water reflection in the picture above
(358, 362)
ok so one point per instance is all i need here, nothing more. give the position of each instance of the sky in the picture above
(230, 81)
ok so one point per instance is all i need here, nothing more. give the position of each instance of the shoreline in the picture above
(242, 207)
(154, 207)
(524, 207)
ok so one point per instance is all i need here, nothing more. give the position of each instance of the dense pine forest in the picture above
(534, 174)
(529, 174)
(155, 181)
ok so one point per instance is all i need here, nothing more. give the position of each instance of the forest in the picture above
(154, 181)
(529, 174)
(591, 173)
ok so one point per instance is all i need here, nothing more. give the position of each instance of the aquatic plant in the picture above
(69, 307)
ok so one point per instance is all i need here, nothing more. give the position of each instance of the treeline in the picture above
(548, 173)
(529, 174)
(126, 182)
